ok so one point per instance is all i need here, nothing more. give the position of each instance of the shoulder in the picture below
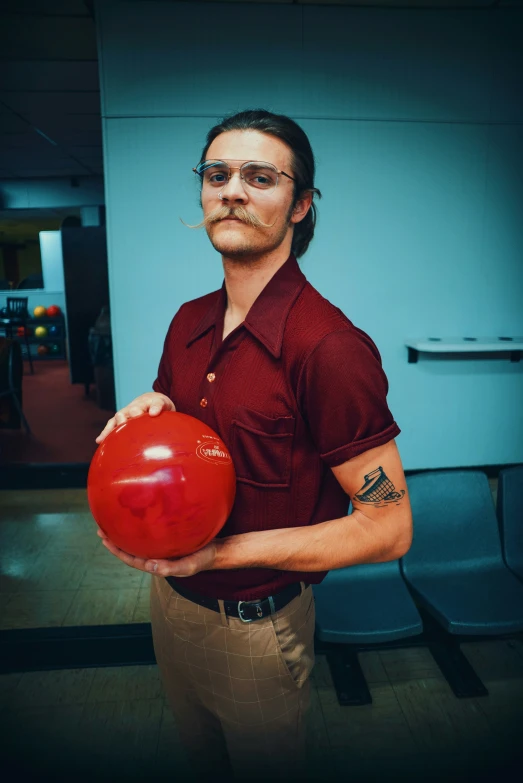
(316, 326)
(313, 316)
(198, 307)
(189, 315)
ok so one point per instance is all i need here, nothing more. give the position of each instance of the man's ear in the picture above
(302, 207)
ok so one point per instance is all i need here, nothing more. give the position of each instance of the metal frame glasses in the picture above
(222, 167)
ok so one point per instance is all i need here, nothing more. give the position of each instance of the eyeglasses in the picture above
(255, 174)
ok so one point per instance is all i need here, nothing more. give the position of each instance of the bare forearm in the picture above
(335, 544)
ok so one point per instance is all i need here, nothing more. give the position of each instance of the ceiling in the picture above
(50, 124)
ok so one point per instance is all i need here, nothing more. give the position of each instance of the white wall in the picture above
(416, 122)
(52, 260)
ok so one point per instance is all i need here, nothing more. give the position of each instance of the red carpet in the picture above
(64, 422)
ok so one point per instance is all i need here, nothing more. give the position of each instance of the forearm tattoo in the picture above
(378, 490)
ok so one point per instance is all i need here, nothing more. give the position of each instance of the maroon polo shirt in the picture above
(293, 391)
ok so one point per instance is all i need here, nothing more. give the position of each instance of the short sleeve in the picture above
(342, 393)
(163, 381)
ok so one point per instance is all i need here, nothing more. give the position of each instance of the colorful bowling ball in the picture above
(40, 331)
(41, 350)
(21, 331)
(54, 348)
(53, 311)
(52, 329)
(161, 486)
(39, 311)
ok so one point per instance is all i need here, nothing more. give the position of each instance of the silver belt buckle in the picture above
(259, 612)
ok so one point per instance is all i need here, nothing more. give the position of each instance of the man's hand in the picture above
(152, 403)
(202, 560)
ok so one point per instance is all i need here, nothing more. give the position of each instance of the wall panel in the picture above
(415, 120)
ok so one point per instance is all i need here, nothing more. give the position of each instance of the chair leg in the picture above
(21, 413)
(28, 348)
(347, 676)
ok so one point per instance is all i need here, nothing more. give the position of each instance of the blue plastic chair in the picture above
(365, 604)
(455, 567)
(510, 517)
(358, 606)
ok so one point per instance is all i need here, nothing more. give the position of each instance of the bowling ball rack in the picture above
(54, 341)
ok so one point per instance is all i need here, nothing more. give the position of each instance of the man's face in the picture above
(237, 239)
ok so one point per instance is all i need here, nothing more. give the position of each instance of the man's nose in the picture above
(234, 190)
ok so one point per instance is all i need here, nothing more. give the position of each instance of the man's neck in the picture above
(244, 281)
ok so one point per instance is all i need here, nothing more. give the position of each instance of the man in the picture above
(298, 394)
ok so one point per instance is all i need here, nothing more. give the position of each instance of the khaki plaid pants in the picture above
(239, 691)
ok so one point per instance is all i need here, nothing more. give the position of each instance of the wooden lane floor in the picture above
(54, 570)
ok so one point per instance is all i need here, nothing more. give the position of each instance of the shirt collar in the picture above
(268, 315)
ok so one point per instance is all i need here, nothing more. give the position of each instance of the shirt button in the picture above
(203, 402)
(211, 377)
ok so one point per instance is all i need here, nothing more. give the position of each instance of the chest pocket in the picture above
(261, 448)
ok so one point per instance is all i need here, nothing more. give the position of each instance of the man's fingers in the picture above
(106, 430)
(132, 412)
(184, 566)
(130, 560)
(120, 417)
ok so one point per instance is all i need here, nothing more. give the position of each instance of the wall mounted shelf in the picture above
(465, 345)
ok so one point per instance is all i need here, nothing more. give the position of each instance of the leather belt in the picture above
(247, 611)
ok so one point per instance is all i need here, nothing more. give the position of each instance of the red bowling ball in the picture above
(161, 486)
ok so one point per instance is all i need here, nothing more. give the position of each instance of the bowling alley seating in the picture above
(11, 379)
(455, 566)
(16, 316)
(451, 584)
(455, 569)
(510, 517)
(358, 607)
